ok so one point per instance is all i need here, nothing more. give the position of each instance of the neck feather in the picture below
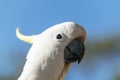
(63, 73)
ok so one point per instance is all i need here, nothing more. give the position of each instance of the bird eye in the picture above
(59, 36)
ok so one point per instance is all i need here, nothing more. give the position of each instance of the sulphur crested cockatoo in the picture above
(53, 51)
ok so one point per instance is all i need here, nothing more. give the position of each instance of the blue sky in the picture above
(100, 18)
(35, 16)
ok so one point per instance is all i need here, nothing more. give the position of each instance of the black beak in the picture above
(74, 51)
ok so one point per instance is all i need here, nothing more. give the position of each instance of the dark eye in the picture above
(59, 36)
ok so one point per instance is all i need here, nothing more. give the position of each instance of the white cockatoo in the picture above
(53, 51)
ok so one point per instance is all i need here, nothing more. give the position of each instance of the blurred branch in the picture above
(117, 77)
(108, 44)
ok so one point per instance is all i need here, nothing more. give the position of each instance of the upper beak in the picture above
(74, 51)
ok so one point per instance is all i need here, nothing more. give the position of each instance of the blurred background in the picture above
(100, 18)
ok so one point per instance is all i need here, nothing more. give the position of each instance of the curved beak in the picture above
(74, 51)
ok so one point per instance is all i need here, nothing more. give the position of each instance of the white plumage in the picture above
(45, 59)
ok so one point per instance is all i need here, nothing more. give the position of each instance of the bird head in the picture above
(68, 38)
(68, 34)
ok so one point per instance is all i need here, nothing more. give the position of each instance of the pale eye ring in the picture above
(59, 36)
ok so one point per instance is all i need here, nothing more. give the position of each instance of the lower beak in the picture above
(74, 51)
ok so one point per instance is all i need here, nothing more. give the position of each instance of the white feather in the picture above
(45, 59)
